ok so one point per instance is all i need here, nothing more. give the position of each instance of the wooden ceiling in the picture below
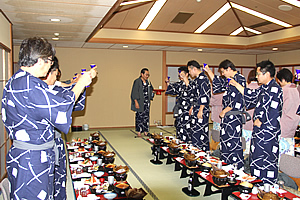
(83, 21)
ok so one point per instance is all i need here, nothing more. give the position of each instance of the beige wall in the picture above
(5, 35)
(283, 58)
(108, 100)
(179, 58)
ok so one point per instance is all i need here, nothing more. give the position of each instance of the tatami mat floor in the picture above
(159, 181)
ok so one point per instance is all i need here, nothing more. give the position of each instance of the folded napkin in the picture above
(204, 174)
(228, 167)
(282, 191)
(245, 196)
(179, 159)
(165, 148)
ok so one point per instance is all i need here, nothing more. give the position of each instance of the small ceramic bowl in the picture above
(110, 195)
(98, 173)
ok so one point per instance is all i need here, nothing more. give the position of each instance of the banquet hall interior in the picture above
(121, 37)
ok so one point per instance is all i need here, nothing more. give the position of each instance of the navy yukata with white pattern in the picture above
(182, 121)
(264, 150)
(231, 125)
(200, 95)
(30, 111)
(142, 118)
(60, 173)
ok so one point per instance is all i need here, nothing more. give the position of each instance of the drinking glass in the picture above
(235, 166)
(99, 161)
(208, 154)
(267, 187)
(281, 184)
(96, 148)
(110, 180)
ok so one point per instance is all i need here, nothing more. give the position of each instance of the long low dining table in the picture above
(195, 172)
(80, 176)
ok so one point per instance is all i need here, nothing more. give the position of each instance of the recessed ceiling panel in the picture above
(224, 25)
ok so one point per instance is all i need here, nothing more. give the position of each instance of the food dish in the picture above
(267, 196)
(246, 187)
(99, 189)
(86, 163)
(92, 181)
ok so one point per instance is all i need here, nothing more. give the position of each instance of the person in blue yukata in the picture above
(182, 92)
(30, 111)
(199, 99)
(141, 95)
(232, 114)
(267, 101)
(60, 173)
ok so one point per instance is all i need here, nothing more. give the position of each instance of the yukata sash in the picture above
(236, 112)
(27, 146)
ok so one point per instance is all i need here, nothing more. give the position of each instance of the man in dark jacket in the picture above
(141, 94)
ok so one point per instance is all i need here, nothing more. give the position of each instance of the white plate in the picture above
(73, 147)
(99, 173)
(201, 153)
(82, 175)
(74, 165)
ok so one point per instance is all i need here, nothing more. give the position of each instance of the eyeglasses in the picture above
(51, 61)
(147, 74)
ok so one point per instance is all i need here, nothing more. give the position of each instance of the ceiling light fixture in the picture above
(260, 15)
(125, 46)
(239, 30)
(56, 34)
(133, 2)
(55, 20)
(293, 2)
(285, 7)
(151, 14)
(199, 49)
(275, 49)
(213, 18)
(55, 38)
(252, 30)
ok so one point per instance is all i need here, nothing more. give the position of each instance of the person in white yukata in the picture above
(30, 111)
(199, 111)
(267, 101)
(289, 120)
(232, 117)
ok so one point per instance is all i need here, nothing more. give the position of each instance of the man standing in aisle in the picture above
(232, 116)
(199, 112)
(141, 94)
(267, 101)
